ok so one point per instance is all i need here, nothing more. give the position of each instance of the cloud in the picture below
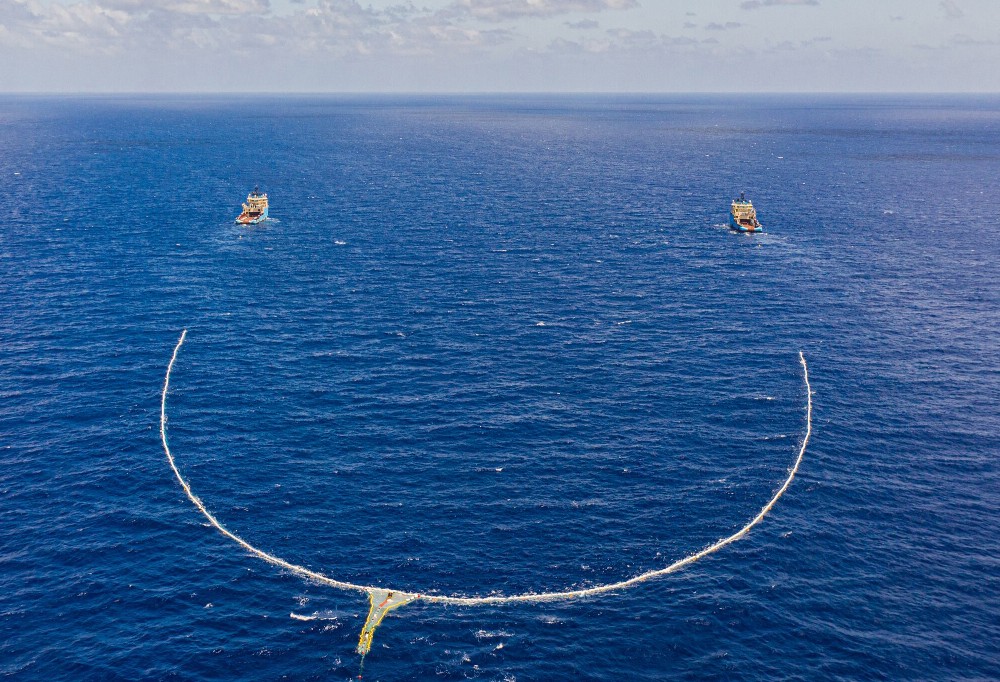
(815, 41)
(627, 39)
(31, 25)
(582, 24)
(620, 41)
(968, 41)
(507, 10)
(338, 27)
(211, 7)
(959, 40)
(345, 27)
(110, 26)
(757, 4)
(722, 27)
(16, 11)
(951, 9)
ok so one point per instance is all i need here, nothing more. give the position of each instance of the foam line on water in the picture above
(259, 553)
(498, 599)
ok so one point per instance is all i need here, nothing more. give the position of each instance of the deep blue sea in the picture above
(500, 345)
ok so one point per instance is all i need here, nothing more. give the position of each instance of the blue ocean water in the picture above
(500, 345)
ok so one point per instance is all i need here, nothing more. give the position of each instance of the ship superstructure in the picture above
(255, 208)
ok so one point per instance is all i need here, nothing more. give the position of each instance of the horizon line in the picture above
(502, 93)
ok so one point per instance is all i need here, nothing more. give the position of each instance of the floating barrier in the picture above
(382, 600)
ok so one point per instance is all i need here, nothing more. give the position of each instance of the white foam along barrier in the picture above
(383, 599)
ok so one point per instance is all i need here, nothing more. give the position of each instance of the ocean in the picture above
(495, 345)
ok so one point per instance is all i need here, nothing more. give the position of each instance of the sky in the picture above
(475, 46)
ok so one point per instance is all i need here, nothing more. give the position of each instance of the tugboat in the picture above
(255, 210)
(742, 216)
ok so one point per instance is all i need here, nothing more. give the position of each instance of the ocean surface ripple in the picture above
(500, 345)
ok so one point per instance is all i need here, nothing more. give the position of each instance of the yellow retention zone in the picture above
(382, 602)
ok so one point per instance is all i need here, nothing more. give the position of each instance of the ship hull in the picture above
(245, 219)
(739, 227)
